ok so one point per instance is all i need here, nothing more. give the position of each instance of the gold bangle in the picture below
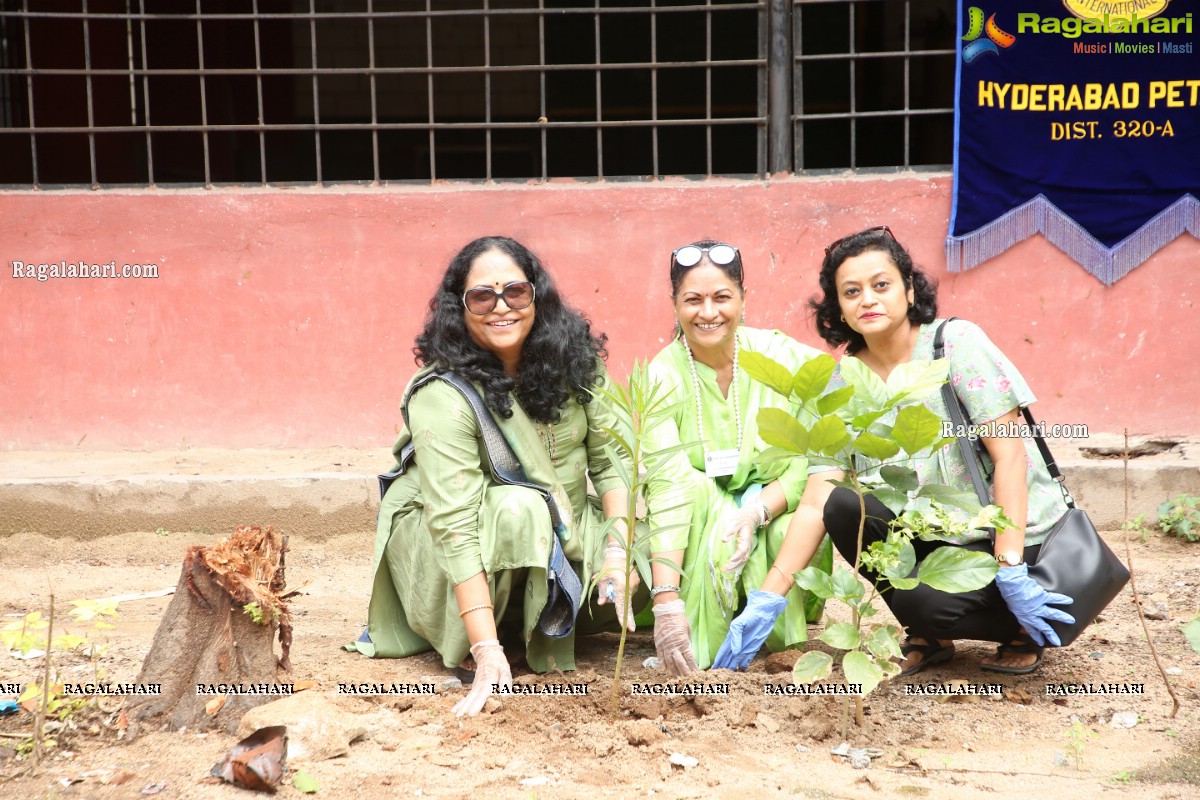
(466, 611)
(791, 581)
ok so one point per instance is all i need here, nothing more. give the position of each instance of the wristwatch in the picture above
(1010, 558)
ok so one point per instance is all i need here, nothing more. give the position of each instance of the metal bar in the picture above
(487, 95)
(429, 86)
(203, 97)
(33, 154)
(542, 118)
(129, 54)
(146, 95)
(262, 116)
(797, 90)
(853, 87)
(708, 91)
(316, 90)
(91, 104)
(654, 87)
(907, 80)
(779, 85)
(374, 99)
(599, 107)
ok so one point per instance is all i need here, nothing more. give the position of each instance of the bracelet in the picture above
(666, 587)
(791, 581)
(466, 611)
(766, 515)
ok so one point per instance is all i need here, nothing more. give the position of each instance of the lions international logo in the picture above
(996, 38)
(1112, 10)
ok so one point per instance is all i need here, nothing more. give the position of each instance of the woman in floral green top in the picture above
(884, 310)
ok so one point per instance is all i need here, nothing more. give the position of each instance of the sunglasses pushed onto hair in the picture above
(483, 299)
(882, 230)
(719, 254)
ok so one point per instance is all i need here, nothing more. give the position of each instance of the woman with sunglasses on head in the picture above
(458, 556)
(723, 512)
(884, 310)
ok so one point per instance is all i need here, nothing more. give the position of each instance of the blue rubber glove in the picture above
(751, 628)
(1030, 604)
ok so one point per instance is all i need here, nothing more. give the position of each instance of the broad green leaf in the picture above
(884, 642)
(891, 498)
(866, 610)
(861, 668)
(949, 496)
(955, 569)
(841, 635)
(825, 461)
(869, 388)
(812, 667)
(768, 459)
(890, 668)
(810, 380)
(918, 379)
(903, 583)
(902, 479)
(768, 371)
(780, 429)
(916, 428)
(875, 447)
(305, 783)
(940, 443)
(815, 581)
(834, 400)
(828, 435)
(1192, 632)
(908, 560)
(864, 421)
(846, 585)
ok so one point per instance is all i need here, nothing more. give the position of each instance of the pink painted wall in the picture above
(285, 318)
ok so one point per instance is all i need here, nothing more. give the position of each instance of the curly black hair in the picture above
(559, 358)
(825, 307)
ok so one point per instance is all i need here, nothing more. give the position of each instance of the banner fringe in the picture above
(1039, 215)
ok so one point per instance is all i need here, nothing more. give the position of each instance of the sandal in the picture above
(931, 653)
(1020, 648)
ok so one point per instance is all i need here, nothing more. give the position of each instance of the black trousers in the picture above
(924, 612)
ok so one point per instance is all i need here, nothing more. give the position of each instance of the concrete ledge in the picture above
(317, 494)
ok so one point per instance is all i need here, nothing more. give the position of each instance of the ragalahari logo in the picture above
(976, 27)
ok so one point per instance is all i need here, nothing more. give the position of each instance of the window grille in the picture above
(268, 92)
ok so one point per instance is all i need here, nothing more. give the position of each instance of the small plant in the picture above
(1138, 525)
(845, 423)
(639, 407)
(1077, 736)
(1180, 517)
(162, 532)
(1123, 777)
(1192, 632)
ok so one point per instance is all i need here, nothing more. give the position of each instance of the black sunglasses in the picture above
(690, 255)
(482, 299)
(880, 229)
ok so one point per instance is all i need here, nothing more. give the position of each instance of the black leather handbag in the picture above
(1073, 559)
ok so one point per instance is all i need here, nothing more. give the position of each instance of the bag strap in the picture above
(502, 461)
(959, 417)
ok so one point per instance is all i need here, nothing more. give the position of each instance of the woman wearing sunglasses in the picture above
(724, 513)
(883, 309)
(460, 558)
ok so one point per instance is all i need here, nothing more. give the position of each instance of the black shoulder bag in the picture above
(564, 587)
(1073, 559)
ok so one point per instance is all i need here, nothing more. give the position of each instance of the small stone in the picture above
(492, 705)
(680, 760)
(1018, 695)
(802, 749)
(449, 684)
(1060, 758)
(1097, 655)
(652, 663)
(1124, 719)
(554, 731)
(842, 750)
(766, 723)
(1174, 671)
(538, 781)
(1156, 607)
(859, 759)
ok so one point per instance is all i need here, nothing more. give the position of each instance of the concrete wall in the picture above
(285, 318)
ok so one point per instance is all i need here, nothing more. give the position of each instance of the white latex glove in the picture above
(742, 523)
(673, 638)
(611, 587)
(491, 668)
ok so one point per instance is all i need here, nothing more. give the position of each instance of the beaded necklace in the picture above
(737, 410)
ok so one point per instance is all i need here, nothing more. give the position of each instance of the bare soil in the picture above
(746, 744)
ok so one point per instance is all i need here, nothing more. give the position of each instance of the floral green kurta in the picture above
(446, 520)
(710, 595)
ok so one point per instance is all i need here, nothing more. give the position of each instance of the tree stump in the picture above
(207, 637)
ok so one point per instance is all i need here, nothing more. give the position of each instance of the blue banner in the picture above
(1079, 120)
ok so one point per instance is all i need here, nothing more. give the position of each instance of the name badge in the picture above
(719, 463)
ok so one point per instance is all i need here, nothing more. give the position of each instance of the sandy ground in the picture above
(746, 744)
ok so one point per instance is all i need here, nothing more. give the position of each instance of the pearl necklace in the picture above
(737, 410)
